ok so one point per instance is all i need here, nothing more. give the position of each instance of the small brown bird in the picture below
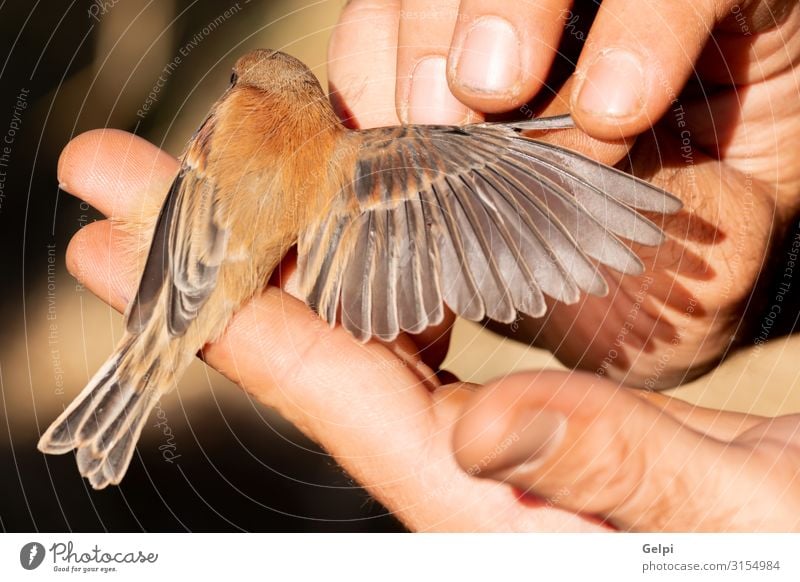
(391, 225)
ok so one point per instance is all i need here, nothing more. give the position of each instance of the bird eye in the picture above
(234, 77)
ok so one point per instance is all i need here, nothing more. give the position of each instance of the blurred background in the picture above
(70, 66)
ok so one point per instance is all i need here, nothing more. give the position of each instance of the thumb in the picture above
(584, 444)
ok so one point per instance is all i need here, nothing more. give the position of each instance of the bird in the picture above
(392, 226)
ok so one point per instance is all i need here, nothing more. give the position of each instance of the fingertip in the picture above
(610, 98)
(111, 168)
(485, 69)
(476, 429)
(74, 256)
(426, 98)
(423, 94)
(507, 418)
(82, 249)
(97, 257)
(76, 159)
(501, 54)
(635, 63)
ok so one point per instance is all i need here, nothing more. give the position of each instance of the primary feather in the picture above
(479, 218)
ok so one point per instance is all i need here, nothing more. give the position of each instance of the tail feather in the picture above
(108, 467)
(105, 408)
(122, 422)
(104, 422)
(62, 436)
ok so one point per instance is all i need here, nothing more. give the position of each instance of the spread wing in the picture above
(477, 217)
(187, 249)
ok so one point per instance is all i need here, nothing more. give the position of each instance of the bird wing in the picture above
(477, 217)
(187, 248)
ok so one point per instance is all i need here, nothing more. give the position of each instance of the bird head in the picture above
(272, 71)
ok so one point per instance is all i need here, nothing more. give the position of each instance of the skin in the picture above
(581, 445)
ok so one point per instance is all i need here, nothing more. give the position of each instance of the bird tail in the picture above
(105, 420)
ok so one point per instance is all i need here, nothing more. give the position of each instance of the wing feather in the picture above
(486, 250)
(597, 241)
(385, 322)
(410, 302)
(459, 289)
(186, 252)
(479, 218)
(356, 291)
(508, 244)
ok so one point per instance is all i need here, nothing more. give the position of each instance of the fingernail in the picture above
(532, 436)
(430, 99)
(487, 59)
(613, 85)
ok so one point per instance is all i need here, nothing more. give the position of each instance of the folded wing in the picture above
(187, 249)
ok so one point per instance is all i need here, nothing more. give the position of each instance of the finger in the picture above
(362, 63)
(594, 448)
(99, 256)
(502, 51)
(636, 60)
(608, 151)
(423, 95)
(115, 171)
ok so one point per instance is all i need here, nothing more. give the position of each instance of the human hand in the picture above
(639, 460)
(721, 147)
